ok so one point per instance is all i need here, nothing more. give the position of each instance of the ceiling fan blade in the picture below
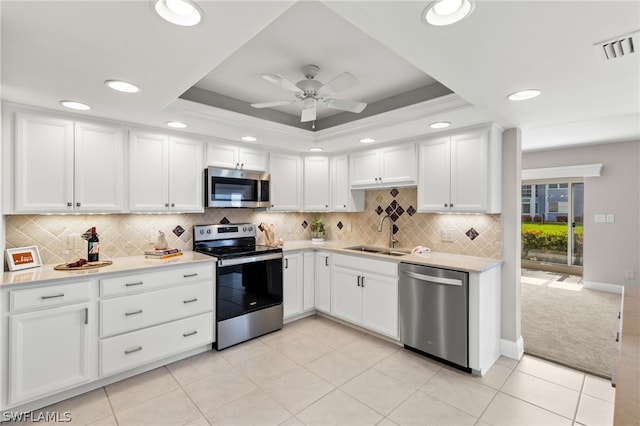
(341, 82)
(281, 82)
(273, 104)
(308, 110)
(350, 106)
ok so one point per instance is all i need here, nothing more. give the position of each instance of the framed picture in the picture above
(23, 258)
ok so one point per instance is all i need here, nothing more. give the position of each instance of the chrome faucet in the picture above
(392, 238)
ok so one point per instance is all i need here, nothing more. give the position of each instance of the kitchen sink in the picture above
(378, 250)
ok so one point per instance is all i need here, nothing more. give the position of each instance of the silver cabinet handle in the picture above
(53, 296)
(190, 275)
(190, 333)
(358, 281)
(173, 204)
(195, 299)
(78, 204)
(166, 204)
(69, 204)
(326, 261)
(139, 311)
(130, 351)
(286, 263)
(132, 284)
(242, 165)
(362, 281)
(86, 315)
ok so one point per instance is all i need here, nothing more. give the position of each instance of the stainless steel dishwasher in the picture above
(434, 311)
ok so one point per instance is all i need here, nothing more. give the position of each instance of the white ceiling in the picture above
(53, 50)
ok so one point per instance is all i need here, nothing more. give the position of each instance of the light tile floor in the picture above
(318, 372)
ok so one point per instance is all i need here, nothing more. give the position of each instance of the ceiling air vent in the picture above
(619, 47)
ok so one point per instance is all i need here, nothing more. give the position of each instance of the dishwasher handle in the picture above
(433, 279)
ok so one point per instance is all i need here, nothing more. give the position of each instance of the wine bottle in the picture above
(93, 246)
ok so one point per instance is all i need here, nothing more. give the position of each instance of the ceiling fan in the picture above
(311, 92)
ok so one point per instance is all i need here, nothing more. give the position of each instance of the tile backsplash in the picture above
(129, 234)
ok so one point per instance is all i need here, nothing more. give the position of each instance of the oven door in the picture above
(248, 284)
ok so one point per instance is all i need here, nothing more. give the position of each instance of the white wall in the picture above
(610, 249)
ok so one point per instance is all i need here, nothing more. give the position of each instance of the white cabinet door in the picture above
(292, 285)
(435, 175)
(286, 176)
(43, 164)
(323, 281)
(49, 351)
(380, 304)
(364, 168)
(346, 294)
(99, 168)
(220, 155)
(148, 172)
(398, 165)
(340, 192)
(308, 291)
(316, 184)
(252, 159)
(185, 175)
(468, 171)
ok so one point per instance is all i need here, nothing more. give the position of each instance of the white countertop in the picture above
(441, 260)
(46, 273)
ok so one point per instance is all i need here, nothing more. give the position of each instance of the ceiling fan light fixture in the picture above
(523, 95)
(176, 124)
(440, 124)
(447, 12)
(249, 138)
(122, 86)
(179, 12)
(367, 140)
(75, 105)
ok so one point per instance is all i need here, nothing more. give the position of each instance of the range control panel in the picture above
(223, 232)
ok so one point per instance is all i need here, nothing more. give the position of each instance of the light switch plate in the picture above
(599, 218)
(446, 235)
(610, 218)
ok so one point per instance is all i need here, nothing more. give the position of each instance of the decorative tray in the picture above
(88, 265)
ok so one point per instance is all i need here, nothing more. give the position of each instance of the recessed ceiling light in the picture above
(523, 95)
(367, 140)
(180, 12)
(440, 125)
(249, 138)
(315, 149)
(75, 105)
(122, 86)
(447, 12)
(176, 124)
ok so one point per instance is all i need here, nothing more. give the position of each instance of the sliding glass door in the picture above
(552, 223)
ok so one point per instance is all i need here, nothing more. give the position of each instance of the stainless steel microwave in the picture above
(236, 188)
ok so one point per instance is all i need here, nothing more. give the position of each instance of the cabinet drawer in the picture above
(141, 310)
(54, 295)
(152, 280)
(369, 265)
(151, 344)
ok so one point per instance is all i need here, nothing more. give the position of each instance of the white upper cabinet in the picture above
(286, 181)
(66, 166)
(235, 157)
(461, 172)
(384, 167)
(343, 199)
(316, 184)
(166, 173)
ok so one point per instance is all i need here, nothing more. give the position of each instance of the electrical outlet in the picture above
(349, 228)
(630, 274)
(446, 235)
(610, 218)
(599, 218)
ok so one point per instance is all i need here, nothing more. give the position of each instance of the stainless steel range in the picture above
(248, 282)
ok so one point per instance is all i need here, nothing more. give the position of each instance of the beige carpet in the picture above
(570, 325)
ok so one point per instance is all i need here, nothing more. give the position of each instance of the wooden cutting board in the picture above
(89, 265)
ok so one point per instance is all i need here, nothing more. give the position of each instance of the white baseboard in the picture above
(511, 349)
(610, 288)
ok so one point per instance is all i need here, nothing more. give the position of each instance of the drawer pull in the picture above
(132, 284)
(190, 275)
(52, 296)
(139, 311)
(195, 299)
(191, 333)
(130, 351)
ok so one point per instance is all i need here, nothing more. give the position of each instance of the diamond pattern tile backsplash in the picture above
(130, 234)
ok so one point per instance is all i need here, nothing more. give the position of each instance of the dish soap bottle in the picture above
(93, 246)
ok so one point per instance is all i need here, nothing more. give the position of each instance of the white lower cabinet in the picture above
(292, 284)
(365, 292)
(49, 349)
(323, 281)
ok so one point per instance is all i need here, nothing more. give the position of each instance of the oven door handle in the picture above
(249, 259)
